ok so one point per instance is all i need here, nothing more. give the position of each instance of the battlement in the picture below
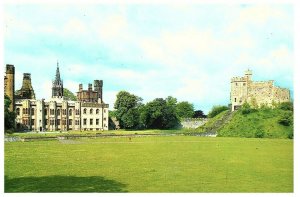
(27, 76)
(98, 83)
(238, 79)
(10, 69)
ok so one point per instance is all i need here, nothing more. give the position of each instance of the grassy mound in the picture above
(260, 123)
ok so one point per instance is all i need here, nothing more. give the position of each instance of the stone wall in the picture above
(193, 123)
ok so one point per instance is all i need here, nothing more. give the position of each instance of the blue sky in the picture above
(189, 51)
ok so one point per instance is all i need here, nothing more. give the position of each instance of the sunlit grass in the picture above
(150, 164)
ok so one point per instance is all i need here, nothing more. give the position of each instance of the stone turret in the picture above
(98, 84)
(9, 84)
(248, 75)
(26, 91)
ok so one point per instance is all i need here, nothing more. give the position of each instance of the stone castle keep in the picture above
(89, 112)
(256, 93)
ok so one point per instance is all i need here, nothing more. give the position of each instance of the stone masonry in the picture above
(256, 93)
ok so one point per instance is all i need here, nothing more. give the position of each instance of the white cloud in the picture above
(115, 27)
(71, 85)
(192, 63)
(258, 15)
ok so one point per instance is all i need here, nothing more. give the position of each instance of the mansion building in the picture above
(88, 112)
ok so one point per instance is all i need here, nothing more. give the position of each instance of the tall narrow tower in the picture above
(98, 84)
(57, 85)
(248, 75)
(9, 84)
(26, 91)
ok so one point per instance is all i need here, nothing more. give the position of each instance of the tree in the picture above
(127, 109)
(9, 117)
(159, 114)
(199, 114)
(69, 95)
(185, 109)
(216, 110)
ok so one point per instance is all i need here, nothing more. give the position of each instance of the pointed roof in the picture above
(57, 80)
(57, 75)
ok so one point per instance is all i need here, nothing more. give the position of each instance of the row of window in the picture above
(236, 84)
(91, 111)
(91, 121)
(52, 111)
(77, 122)
(25, 111)
(26, 122)
(64, 112)
(58, 122)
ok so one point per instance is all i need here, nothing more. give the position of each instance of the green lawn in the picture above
(150, 164)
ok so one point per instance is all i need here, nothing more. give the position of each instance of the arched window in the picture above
(32, 111)
(18, 111)
(97, 111)
(58, 112)
(70, 112)
(84, 111)
(91, 111)
(23, 110)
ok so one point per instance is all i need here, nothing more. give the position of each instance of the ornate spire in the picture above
(57, 85)
(57, 75)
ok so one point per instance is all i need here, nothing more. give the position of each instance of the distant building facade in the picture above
(256, 93)
(57, 113)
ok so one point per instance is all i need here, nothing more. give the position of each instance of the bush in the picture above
(246, 108)
(286, 119)
(286, 106)
(9, 131)
(291, 134)
(259, 133)
(216, 110)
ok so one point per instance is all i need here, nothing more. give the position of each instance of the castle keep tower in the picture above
(256, 93)
(26, 91)
(9, 84)
(57, 85)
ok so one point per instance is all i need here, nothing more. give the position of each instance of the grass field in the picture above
(150, 164)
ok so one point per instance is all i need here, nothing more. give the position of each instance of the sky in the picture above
(188, 51)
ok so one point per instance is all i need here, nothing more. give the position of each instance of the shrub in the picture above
(291, 134)
(286, 106)
(246, 108)
(259, 133)
(216, 110)
(9, 131)
(286, 119)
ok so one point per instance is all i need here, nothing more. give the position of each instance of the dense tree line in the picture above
(159, 113)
